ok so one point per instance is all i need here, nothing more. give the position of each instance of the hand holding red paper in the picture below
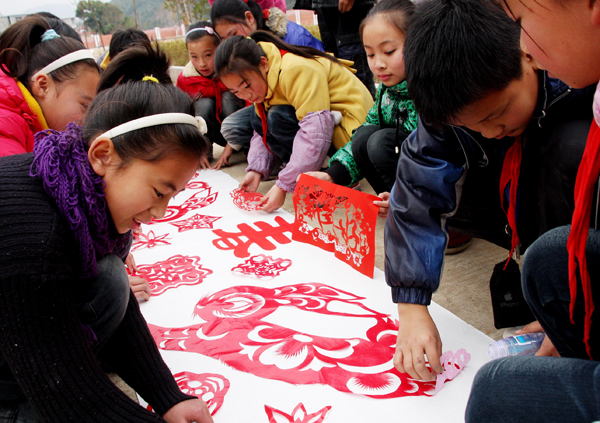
(417, 336)
(193, 410)
(384, 204)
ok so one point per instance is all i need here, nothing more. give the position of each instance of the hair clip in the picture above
(50, 34)
(208, 29)
(150, 78)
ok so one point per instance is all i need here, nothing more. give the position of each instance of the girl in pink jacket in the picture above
(46, 81)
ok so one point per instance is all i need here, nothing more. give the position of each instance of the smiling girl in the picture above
(46, 81)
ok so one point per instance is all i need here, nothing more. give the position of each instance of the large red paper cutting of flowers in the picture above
(173, 272)
(336, 219)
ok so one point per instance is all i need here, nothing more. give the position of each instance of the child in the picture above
(120, 41)
(66, 310)
(295, 90)
(564, 37)
(215, 102)
(242, 17)
(46, 81)
(266, 4)
(374, 148)
(480, 99)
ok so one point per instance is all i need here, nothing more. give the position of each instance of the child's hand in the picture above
(188, 411)
(345, 5)
(384, 204)
(417, 336)
(204, 163)
(224, 159)
(250, 181)
(324, 176)
(547, 349)
(140, 288)
(273, 199)
(130, 263)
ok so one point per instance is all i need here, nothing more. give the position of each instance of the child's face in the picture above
(227, 29)
(384, 45)
(564, 39)
(68, 101)
(504, 113)
(140, 191)
(252, 86)
(202, 55)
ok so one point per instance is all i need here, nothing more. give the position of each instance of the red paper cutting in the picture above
(197, 221)
(453, 365)
(246, 200)
(299, 415)
(241, 241)
(209, 387)
(234, 330)
(337, 219)
(200, 199)
(173, 272)
(263, 266)
(197, 184)
(149, 240)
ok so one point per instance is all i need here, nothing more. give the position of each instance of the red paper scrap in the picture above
(263, 266)
(337, 219)
(299, 415)
(246, 200)
(173, 272)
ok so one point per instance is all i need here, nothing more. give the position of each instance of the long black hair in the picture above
(234, 11)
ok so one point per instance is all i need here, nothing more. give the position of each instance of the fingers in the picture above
(204, 163)
(547, 349)
(530, 328)
(140, 288)
(130, 263)
(221, 162)
(384, 207)
(434, 352)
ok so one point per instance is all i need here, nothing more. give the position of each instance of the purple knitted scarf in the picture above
(61, 161)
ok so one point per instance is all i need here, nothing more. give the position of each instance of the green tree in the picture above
(103, 18)
(189, 10)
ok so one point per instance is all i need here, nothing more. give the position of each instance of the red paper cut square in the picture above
(173, 272)
(337, 219)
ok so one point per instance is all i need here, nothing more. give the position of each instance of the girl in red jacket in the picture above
(46, 81)
(214, 102)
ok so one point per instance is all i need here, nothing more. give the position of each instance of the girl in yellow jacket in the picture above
(307, 104)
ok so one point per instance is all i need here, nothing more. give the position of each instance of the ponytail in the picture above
(23, 53)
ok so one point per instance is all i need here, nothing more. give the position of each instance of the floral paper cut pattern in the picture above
(241, 241)
(234, 329)
(149, 240)
(262, 266)
(204, 197)
(173, 272)
(197, 221)
(209, 387)
(246, 200)
(336, 219)
(299, 415)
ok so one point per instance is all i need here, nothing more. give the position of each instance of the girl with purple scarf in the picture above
(67, 211)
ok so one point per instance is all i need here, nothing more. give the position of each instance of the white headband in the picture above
(154, 120)
(65, 60)
(208, 29)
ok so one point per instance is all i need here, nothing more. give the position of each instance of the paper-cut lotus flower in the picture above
(299, 415)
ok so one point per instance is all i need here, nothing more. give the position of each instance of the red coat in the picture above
(18, 123)
(206, 87)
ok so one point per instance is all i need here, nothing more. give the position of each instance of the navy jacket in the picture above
(450, 178)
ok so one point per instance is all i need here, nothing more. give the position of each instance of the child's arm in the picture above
(260, 160)
(425, 192)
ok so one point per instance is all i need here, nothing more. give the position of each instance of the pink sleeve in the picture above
(259, 158)
(310, 148)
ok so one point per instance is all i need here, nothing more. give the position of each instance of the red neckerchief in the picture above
(207, 87)
(511, 169)
(263, 113)
(587, 175)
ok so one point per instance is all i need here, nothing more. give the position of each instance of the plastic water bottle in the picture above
(526, 344)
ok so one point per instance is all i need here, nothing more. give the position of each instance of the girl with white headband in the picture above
(46, 81)
(67, 211)
(213, 102)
